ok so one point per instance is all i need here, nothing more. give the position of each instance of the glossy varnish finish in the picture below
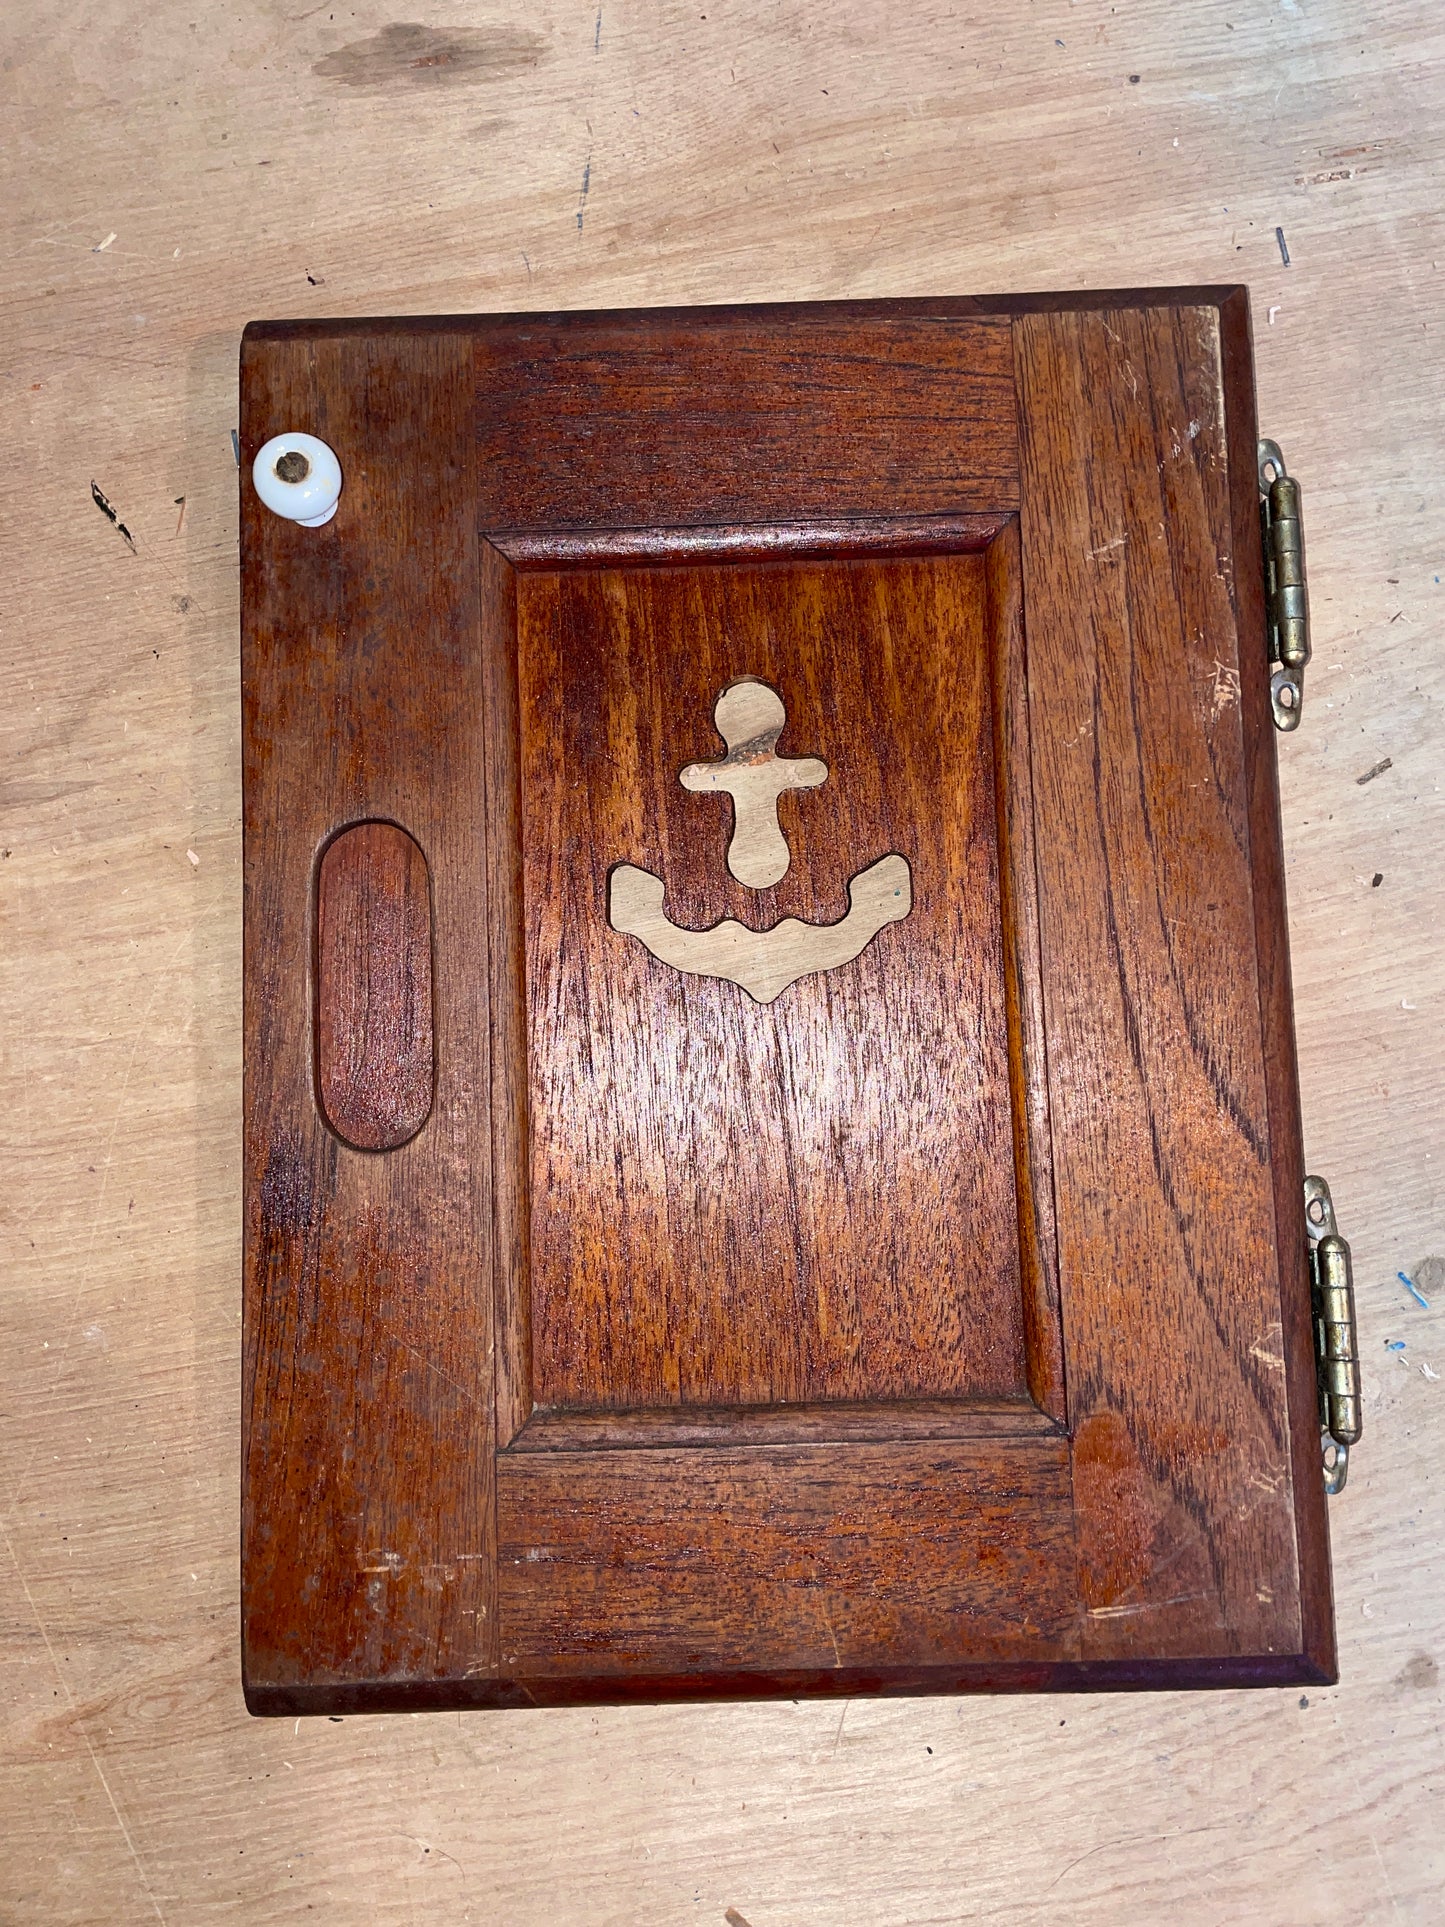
(1166, 1217)
(373, 987)
(777, 408)
(938, 1324)
(794, 1202)
(367, 1511)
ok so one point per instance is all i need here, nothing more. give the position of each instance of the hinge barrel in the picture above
(1339, 1362)
(1337, 1353)
(1287, 544)
(1285, 592)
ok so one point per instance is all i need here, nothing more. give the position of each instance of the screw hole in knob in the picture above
(299, 477)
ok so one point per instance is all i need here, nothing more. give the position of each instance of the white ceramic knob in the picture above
(299, 477)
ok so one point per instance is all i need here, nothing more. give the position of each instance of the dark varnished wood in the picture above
(1023, 978)
(367, 1517)
(779, 416)
(809, 1200)
(877, 1421)
(1281, 1075)
(373, 987)
(947, 1554)
(822, 538)
(1168, 1250)
(758, 1411)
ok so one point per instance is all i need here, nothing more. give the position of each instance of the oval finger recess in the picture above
(374, 1050)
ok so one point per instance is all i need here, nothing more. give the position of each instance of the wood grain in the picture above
(1023, 976)
(812, 1200)
(782, 153)
(1272, 962)
(892, 1562)
(1169, 1259)
(367, 1493)
(374, 1072)
(731, 1219)
(777, 407)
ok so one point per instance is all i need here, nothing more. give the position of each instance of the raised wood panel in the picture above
(1168, 1246)
(814, 1199)
(367, 1527)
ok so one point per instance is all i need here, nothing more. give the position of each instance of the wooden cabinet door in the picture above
(772, 1146)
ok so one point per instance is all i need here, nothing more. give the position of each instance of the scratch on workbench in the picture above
(79, 1725)
(582, 197)
(1375, 769)
(1385, 1875)
(1134, 1840)
(100, 501)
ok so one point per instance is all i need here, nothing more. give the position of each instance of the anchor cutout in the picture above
(750, 718)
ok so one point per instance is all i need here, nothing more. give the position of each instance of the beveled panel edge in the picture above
(506, 961)
(523, 1426)
(843, 539)
(876, 1421)
(1023, 975)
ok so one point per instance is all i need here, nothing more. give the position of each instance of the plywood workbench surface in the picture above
(176, 171)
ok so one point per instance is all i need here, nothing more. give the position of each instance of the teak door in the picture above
(772, 1148)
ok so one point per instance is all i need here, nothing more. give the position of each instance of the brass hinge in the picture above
(1337, 1352)
(1285, 597)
